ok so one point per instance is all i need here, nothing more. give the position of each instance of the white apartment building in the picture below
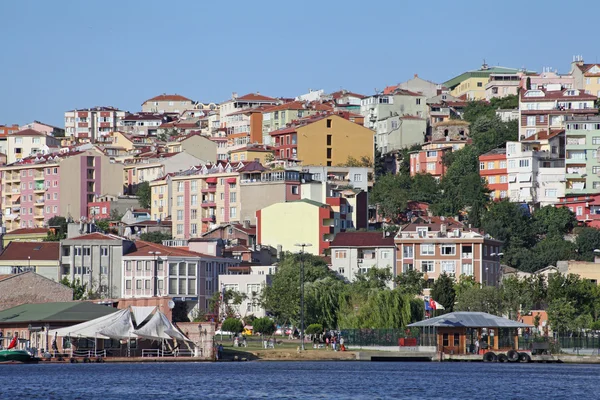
(92, 123)
(534, 176)
(251, 286)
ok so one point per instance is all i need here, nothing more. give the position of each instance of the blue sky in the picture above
(64, 54)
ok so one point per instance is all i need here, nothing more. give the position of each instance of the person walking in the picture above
(476, 346)
(327, 343)
(342, 348)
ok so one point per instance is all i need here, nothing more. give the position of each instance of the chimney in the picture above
(416, 75)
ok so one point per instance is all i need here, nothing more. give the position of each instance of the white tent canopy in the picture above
(121, 325)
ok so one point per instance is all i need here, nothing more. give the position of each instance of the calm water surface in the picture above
(299, 380)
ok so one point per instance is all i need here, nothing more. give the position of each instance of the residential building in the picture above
(146, 169)
(251, 286)
(252, 152)
(494, 169)
(6, 130)
(356, 177)
(167, 103)
(548, 77)
(109, 206)
(546, 109)
(429, 162)
(345, 100)
(28, 288)
(312, 221)
(436, 245)
(161, 197)
(471, 84)
(443, 106)
(278, 116)
(89, 124)
(354, 253)
(585, 207)
(507, 115)
(43, 258)
(96, 260)
(143, 124)
(586, 76)
(326, 139)
(582, 162)
(154, 270)
(234, 234)
(29, 143)
(450, 130)
(419, 85)
(195, 144)
(242, 118)
(46, 129)
(535, 176)
(24, 235)
(396, 132)
(502, 85)
(39, 188)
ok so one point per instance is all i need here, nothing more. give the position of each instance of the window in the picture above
(329, 123)
(481, 165)
(339, 254)
(233, 212)
(422, 232)
(449, 267)
(479, 84)
(232, 197)
(329, 140)
(491, 180)
(179, 215)
(104, 251)
(194, 214)
(295, 189)
(179, 201)
(524, 163)
(430, 166)
(385, 254)
(194, 186)
(595, 170)
(407, 251)
(87, 251)
(147, 284)
(180, 186)
(503, 164)
(490, 165)
(503, 194)
(194, 229)
(431, 153)
(358, 177)
(427, 249)
(138, 284)
(531, 121)
(445, 339)
(180, 229)
(551, 192)
(467, 269)
(328, 153)
(127, 265)
(512, 164)
(194, 200)
(448, 249)
(427, 266)
(503, 179)
(128, 284)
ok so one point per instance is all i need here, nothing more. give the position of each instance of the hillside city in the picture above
(480, 193)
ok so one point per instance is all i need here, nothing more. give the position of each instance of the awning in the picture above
(512, 178)
(211, 180)
(231, 180)
(524, 177)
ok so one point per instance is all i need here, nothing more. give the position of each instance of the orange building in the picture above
(429, 161)
(6, 130)
(492, 167)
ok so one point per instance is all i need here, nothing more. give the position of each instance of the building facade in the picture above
(27, 143)
(494, 169)
(582, 162)
(251, 286)
(88, 124)
(167, 103)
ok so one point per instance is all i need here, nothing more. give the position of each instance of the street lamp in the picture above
(28, 263)
(302, 246)
(155, 272)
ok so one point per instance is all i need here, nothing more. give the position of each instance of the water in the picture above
(299, 380)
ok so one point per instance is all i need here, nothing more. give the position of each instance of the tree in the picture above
(58, 228)
(80, 290)
(155, 237)
(528, 83)
(269, 158)
(425, 188)
(321, 300)
(379, 163)
(410, 282)
(352, 162)
(518, 298)
(489, 133)
(143, 194)
(232, 325)
(249, 319)
(587, 241)
(508, 222)
(314, 329)
(507, 102)
(391, 194)
(443, 291)
(265, 326)
(374, 278)
(552, 220)
(480, 298)
(102, 225)
(477, 108)
(561, 315)
(374, 309)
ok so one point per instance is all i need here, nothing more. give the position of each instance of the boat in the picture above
(16, 356)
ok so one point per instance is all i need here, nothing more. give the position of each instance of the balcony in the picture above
(208, 203)
(39, 189)
(467, 255)
(160, 209)
(160, 196)
(210, 218)
(38, 216)
(209, 189)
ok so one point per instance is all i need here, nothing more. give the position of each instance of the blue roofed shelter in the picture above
(457, 332)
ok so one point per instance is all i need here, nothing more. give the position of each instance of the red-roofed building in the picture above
(278, 116)
(143, 123)
(354, 253)
(6, 130)
(586, 208)
(167, 103)
(154, 270)
(89, 124)
(429, 161)
(28, 142)
(436, 245)
(586, 76)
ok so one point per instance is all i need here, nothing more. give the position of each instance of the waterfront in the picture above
(298, 380)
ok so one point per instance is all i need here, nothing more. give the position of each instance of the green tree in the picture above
(410, 282)
(322, 301)
(443, 291)
(425, 188)
(518, 296)
(352, 162)
(587, 241)
(478, 108)
(505, 103)
(528, 83)
(233, 325)
(155, 237)
(314, 329)
(58, 229)
(508, 222)
(374, 309)
(561, 315)
(143, 194)
(391, 194)
(489, 133)
(480, 298)
(102, 225)
(374, 278)
(265, 326)
(379, 163)
(80, 290)
(552, 220)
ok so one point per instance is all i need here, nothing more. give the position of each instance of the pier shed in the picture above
(460, 332)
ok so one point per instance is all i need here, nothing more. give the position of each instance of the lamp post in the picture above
(28, 263)
(302, 246)
(155, 272)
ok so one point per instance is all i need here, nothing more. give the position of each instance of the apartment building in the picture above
(325, 139)
(253, 152)
(153, 270)
(502, 85)
(545, 109)
(429, 161)
(436, 245)
(29, 143)
(471, 84)
(536, 175)
(278, 116)
(582, 162)
(36, 189)
(46, 129)
(493, 168)
(586, 76)
(354, 253)
(356, 177)
(585, 207)
(241, 117)
(195, 144)
(95, 259)
(444, 105)
(143, 124)
(167, 103)
(89, 124)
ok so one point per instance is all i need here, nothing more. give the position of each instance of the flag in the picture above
(432, 303)
(13, 343)
(427, 306)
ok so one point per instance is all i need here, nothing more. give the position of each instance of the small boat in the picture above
(16, 356)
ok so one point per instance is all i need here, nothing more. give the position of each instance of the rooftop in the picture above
(37, 251)
(466, 319)
(149, 249)
(168, 97)
(55, 312)
(362, 239)
(28, 231)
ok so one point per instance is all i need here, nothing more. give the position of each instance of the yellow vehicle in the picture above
(247, 332)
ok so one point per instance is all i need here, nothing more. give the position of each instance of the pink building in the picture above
(429, 161)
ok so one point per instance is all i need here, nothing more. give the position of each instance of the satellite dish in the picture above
(171, 304)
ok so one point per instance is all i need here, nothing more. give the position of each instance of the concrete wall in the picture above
(257, 196)
(201, 148)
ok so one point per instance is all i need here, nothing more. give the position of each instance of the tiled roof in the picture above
(38, 251)
(293, 105)
(147, 249)
(238, 249)
(342, 93)
(434, 223)
(28, 132)
(544, 135)
(553, 95)
(255, 97)
(168, 97)
(253, 166)
(3, 277)
(143, 117)
(362, 239)
(249, 231)
(95, 236)
(405, 92)
(28, 231)
(73, 311)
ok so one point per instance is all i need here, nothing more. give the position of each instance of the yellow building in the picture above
(160, 198)
(587, 76)
(261, 153)
(301, 221)
(25, 235)
(472, 83)
(327, 140)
